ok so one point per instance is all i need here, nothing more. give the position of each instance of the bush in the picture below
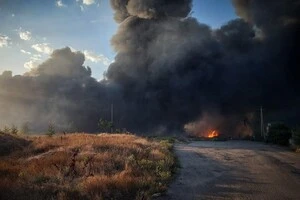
(6, 129)
(278, 133)
(296, 136)
(51, 130)
(105, 125)
(14, 130)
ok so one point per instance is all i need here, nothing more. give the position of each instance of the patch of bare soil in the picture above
(235, 170)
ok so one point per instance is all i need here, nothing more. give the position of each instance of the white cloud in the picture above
(13, 15)
(97, 58)
(88, 2)
(43, 48)
(25, 35)
(60, 4)
(34, 62)
(31, 64)
(36, 57)
(4, 40)
(25, 52)
(84, 3)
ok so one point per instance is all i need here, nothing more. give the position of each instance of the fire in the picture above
(213, 134)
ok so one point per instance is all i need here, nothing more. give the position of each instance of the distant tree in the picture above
(14, 130)
(278, 133)
(104, 125)
(6, 129)
(51, 129)
(296, 136)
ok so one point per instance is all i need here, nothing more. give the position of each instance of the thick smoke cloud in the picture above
(64, 63)
(59, 91)
(269, 15)
(171, 72)
(150, 9)
(174, 69)
(278, 25)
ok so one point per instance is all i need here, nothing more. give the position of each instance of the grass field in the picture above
(84, 166)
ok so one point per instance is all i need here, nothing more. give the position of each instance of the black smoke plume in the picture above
(170, 70)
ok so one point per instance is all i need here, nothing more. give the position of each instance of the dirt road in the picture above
(235, 170)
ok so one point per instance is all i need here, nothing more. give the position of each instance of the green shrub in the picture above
(51, 129)
(105, 125)
(279, 133)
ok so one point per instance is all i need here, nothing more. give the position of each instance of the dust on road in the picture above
(235, 170)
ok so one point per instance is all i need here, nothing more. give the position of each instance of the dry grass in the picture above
(82, 166)
(9, 143)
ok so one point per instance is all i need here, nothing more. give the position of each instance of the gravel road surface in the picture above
(235, 170)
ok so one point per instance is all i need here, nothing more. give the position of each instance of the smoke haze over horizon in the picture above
(170, 70)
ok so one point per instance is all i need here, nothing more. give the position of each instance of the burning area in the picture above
(213, 134)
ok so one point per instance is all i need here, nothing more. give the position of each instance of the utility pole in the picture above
(262, 122)
(112, 116)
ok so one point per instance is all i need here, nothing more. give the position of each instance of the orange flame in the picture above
(213, 134)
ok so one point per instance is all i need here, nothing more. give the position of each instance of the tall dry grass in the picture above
(83, 166)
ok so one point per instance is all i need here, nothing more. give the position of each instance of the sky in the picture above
(30, 30)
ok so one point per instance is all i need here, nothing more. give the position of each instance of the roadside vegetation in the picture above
(278, 133)
(296, 139)
(281, 134)
(84, 166)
